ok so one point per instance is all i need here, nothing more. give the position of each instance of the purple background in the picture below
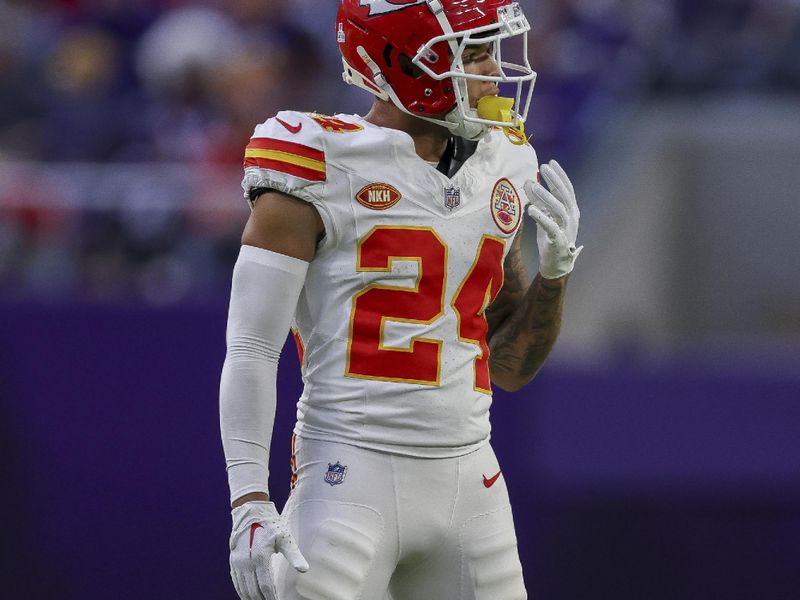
(627, 482)
(674, 479)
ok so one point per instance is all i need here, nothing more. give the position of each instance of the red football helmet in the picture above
(410, 53)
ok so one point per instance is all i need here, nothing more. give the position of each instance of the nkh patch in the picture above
(452, 197)
(506, 206)
(378, 196)
(335, 474)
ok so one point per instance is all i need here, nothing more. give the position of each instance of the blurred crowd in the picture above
(127, 83)
(146, 80)
(180, 80)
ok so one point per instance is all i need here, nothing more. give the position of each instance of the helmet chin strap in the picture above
(466, 129)
(490, 108)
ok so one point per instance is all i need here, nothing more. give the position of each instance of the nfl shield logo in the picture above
(452, 197)
(336, 473)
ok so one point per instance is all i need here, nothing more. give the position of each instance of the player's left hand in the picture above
(555, 210)
(257, 534)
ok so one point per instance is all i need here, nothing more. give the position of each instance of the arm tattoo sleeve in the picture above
(524, 322)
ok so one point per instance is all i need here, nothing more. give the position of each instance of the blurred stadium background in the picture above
(658, 454)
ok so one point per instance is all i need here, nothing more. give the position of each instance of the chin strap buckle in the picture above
(436, 6)
(377, 75)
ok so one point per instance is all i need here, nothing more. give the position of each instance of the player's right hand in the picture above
(257, 534)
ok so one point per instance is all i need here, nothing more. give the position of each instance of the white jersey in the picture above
(391, 316)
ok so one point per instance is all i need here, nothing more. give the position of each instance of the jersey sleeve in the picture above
(286, 154)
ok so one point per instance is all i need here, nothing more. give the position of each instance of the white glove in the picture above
(556, 214)
(257, 534)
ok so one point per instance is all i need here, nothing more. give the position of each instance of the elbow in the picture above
(509, 387)
(513, 381)
(509, 383)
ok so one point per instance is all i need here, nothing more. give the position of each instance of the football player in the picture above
(390, 244)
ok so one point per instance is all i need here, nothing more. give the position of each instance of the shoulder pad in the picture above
(287, 154)
(517, 157)
(516, 146)
(288, 144)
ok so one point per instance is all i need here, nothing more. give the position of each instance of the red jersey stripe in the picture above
(289, 147)
(285, 167)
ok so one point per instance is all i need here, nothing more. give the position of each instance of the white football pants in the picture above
(397, 527)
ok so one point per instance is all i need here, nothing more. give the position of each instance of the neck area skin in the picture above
(430, 140)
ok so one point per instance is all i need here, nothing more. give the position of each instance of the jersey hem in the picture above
(395, 449)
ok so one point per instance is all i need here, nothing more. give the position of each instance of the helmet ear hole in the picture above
(387, 55)
(409, 68)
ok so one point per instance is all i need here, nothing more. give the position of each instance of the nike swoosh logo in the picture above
(289, 128)
(253, 529)
(491, 481)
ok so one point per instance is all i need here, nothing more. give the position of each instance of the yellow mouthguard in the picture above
(496, 108)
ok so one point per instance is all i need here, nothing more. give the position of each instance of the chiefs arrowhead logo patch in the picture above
(506, 206)
(378, 196)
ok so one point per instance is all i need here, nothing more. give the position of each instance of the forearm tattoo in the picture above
(524, 323)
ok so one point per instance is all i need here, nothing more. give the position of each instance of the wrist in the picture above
(551, 273)
(556, 282)
(252, 497)
(556, 263)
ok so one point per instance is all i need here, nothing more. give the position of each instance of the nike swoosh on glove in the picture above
(257, 534)
(555, 210)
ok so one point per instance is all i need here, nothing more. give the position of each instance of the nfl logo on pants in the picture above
(336, 473)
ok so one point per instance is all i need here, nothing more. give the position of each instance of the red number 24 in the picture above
(367, 357)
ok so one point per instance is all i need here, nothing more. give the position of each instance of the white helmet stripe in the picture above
(380, 7)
